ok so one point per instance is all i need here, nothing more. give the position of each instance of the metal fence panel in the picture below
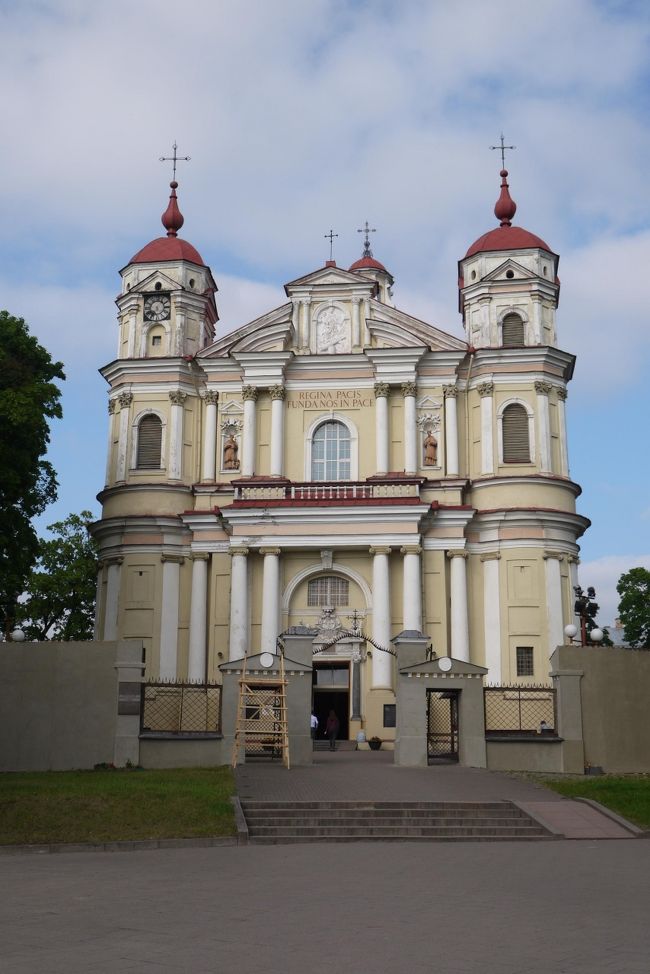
(520, 710)
(180, 708)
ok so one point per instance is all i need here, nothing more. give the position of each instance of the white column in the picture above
(409, 390)
(492, 616)
(109, 447)
(543, 424)
(249, 394)
(451, 430)
(238, 603)
(270, 599)
(554, 613)
(412, 588)
(459, 620)
(278, 394)
(304, 323)
(125, 399)
(99, 590)
(175, 465)
(537, 321)
(564, 450)
(356, 323)
(382, 390)
(485, 391)
(171, 582)
(210, 436)
(382, 670)
(197, 662)
(573, 561)
(113, 574)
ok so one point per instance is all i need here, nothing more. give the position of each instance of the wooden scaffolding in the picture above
(261, 727)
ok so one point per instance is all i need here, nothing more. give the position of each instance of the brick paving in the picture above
(467, 908)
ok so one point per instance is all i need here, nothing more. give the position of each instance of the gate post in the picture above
(411, 724)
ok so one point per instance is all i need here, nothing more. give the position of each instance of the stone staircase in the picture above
(348, 821)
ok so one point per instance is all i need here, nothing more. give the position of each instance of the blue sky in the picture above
(301, 115)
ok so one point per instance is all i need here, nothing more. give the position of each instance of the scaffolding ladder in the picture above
(261, 727)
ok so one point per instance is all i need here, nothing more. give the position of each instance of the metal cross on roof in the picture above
(367, 252)
(355, 619)
(502, 148)
(175, 158)
(330, 236)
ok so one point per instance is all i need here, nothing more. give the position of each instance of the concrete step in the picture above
(286, 840)
(387, 821)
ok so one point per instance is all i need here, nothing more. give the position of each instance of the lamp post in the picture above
(586, 608)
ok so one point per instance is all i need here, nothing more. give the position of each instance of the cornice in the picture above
(540, 480)
(335, 514)
(130, 369)
(166, 488)
(534, 356)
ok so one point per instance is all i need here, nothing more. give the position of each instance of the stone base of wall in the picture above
(183, 752)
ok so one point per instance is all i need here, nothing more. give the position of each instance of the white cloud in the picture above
(604, 573)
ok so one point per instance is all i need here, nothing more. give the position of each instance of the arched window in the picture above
(516, 438)
(330, 452)
(512, 331)
(328, 590)
(148, 456)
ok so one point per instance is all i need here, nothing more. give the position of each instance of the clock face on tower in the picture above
(157, 307)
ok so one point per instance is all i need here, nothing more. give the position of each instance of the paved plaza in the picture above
(455, 908)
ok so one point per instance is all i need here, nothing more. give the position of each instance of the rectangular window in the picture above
(525, 661)
(156, 340)
(390, 715)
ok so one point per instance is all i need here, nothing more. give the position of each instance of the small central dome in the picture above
(367, 263)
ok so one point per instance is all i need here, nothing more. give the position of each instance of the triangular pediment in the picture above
(393, 328)
(445, 666)
(327, 275)
(255, 670)
(519, 273)
(157, 277)
(272, 331)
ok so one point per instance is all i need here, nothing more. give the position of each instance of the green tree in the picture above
(634, 607)
(60, 592)
(29, 398)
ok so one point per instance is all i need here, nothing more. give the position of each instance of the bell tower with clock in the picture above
(166, 308)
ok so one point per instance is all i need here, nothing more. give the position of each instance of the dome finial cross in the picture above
(503, 148)
(174, 159)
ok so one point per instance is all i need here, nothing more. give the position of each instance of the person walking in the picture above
(332, 729)
(314, 726)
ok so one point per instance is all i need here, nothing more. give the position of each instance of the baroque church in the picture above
(339, 464)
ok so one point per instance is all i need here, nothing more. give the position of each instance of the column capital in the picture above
(306, 300)
(125, 399)
(249, 393)
(409, 389)
(177, 398)
(200, 556)
(380, 550)
(450, 392)
(491, 556)
(112, 404)
(485, 389)
(211, 397)
(270, 551)
(174, 559)
(559, 555)
(562, 393)
(355, 299)
(278, 392)
(573, 559)
(382, 390)
(411, 549)
(112, 560)
(456, 553)
(238, 550)
(542, 388)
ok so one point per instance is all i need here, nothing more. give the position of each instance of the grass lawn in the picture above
(629, 795)
(108, 805)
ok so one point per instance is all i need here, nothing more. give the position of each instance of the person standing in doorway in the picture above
(332, 729)
(314, 726)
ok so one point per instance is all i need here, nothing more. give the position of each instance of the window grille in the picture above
(328, 590)
(525, 665)
(330, 453)
(512, 330)
(149, 443)
(516, 439)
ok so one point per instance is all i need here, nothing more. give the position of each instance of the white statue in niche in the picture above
(331, 332)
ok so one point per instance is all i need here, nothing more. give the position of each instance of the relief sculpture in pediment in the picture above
(331, 331)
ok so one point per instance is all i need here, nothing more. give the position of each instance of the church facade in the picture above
(338, 463)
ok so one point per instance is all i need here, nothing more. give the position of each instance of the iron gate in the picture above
(442, 725)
